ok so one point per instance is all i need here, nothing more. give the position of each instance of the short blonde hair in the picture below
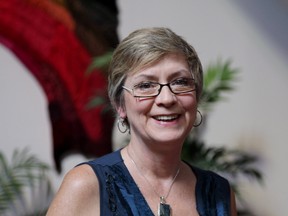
(143, 48)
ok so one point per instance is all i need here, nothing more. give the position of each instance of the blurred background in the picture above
(252, 118)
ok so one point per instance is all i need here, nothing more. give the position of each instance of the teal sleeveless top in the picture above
(120, 196)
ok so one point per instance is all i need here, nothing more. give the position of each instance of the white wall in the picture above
(253, 118)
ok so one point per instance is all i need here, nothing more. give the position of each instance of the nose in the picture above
(166, 97)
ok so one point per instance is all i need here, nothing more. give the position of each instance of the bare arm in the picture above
(78, 194)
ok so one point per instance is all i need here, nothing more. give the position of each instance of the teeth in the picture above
(166, 118)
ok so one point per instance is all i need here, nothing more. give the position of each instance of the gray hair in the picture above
(141, 49)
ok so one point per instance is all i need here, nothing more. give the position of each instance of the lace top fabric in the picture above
(119, 194)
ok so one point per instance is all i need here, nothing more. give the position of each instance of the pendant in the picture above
(163, 208)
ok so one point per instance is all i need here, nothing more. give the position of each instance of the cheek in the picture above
(189, 102)
(190, 106)
(138, 106)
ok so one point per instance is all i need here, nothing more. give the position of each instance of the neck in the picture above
(163, 187)
(161, 196)
(154, 164)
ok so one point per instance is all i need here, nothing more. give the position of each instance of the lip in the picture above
(166, 117)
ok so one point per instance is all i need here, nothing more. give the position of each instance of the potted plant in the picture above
(25, 188)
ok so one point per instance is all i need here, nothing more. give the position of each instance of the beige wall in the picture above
(253, 118)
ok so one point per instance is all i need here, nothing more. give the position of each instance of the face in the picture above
(166, 118)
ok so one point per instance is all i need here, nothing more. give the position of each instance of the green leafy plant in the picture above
(100, 62)
(25, 188)
(218, 79)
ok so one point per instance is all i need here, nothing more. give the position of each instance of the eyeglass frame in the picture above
(160, 89)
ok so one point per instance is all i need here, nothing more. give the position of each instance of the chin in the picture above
(168, 136)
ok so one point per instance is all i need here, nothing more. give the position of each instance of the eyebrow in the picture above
(172, 75)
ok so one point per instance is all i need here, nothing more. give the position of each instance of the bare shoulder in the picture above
(78, 193)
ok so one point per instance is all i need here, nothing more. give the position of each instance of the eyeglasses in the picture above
(153, 89)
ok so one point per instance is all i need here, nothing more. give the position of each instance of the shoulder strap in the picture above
(212, 193)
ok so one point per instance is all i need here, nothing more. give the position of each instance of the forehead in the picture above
(170, 64)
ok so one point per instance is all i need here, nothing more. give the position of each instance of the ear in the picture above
(121, 112)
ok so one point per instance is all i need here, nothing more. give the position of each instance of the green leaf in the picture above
(100, 62)
(23, 174)
(96, 101)
(218, 78)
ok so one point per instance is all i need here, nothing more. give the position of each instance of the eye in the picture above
(143, 86)
(182, 82)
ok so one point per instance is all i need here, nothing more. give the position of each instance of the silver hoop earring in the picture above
(122, 125)
(201, 119)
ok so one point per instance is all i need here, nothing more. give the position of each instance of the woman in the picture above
(155, 83)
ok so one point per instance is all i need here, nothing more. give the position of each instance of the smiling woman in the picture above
(155, 82)
(172, 106)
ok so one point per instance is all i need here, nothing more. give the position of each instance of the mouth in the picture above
(166, 118)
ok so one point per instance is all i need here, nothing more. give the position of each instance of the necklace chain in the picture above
(162, 198)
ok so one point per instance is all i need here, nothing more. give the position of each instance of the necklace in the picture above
(164, 209)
